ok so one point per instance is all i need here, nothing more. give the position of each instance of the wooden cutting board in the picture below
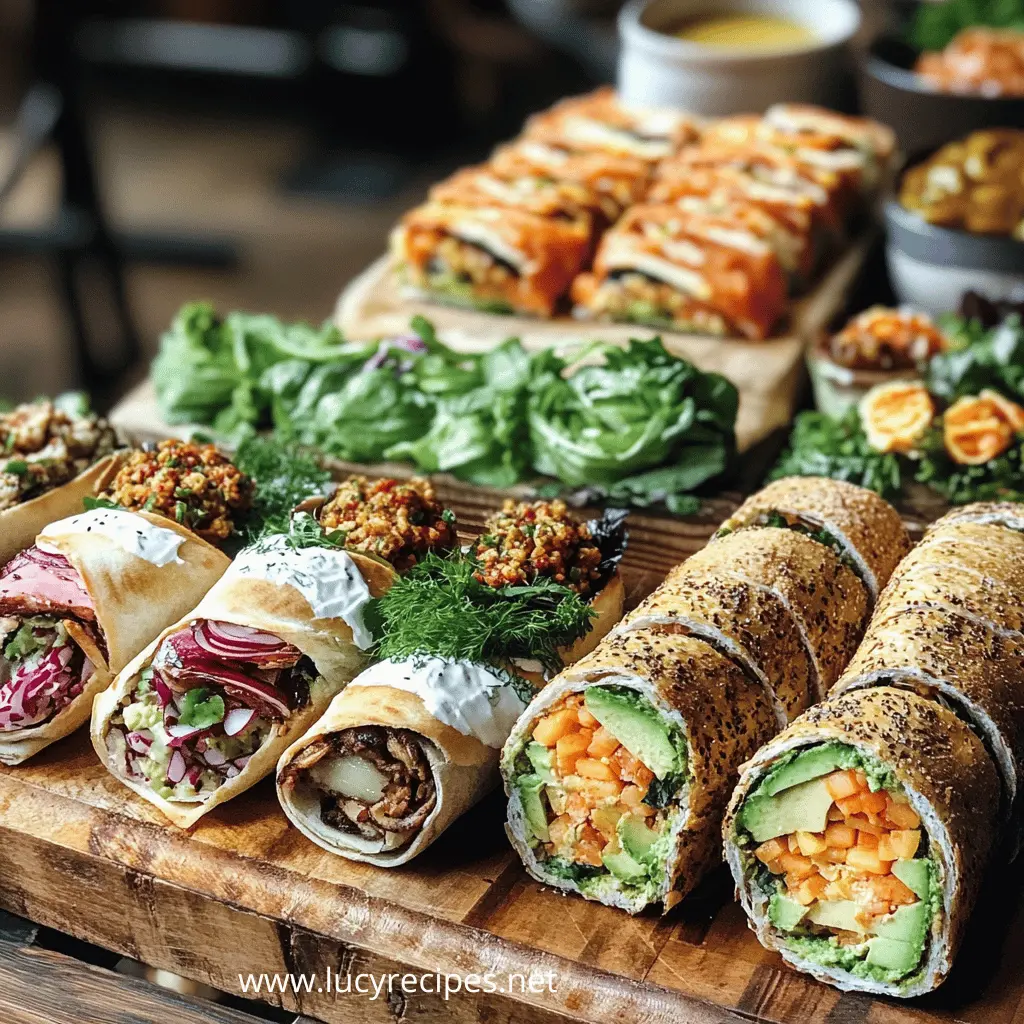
(245, 893)
(768, 374)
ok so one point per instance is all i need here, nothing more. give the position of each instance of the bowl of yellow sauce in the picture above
(721, 57)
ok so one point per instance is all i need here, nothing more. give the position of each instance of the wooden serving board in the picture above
(768, 374)
(245, 893)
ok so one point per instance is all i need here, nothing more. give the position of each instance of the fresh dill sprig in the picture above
(285, 475)
(440, 608)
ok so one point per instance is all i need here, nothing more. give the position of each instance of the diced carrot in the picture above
(631, 796)
(863, 859)
(797, 866)
(862, 779)
(861, 823)
(892, 891)
(770, 849)
(569, 749)
(841, 785)
(587, 720)
(867, 840)
(809, 890)
(576, 807)
(901, 815)
(549, 730)
(835, 813)
(792, 844)
(849, 804)
(884, 848)
(605, 818)
(836, 854)
(904, 843)
(873, 803)
(590, 768)
(604, 744)
(589, 847)
(838, 834)
(810, 843)
(631, 769)
(594, 791)
(559, 829)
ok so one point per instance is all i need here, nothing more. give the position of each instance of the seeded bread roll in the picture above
(722, 715)
(866, 528)
(826, 600)
(746, 621)
(950, 784)
(1008, 514)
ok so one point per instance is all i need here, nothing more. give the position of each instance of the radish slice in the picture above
(231, 772)
(183, 732)
(238, 720)
(214, 757)
(176, 768)
(139, 742)
(241, 762)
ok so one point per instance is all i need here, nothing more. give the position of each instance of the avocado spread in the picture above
(792, 799)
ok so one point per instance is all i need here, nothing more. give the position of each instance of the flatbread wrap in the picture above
(204, 712)
(861, 527)
(414, 741)
(619, 771)
(858, 837)
(78, 605)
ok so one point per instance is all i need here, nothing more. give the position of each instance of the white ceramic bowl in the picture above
(659, 69)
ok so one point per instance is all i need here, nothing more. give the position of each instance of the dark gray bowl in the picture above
(892, 93)
(932, 268)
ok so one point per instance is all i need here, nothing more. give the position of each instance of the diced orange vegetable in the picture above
(596, 790)
(605, 818)
(809, 890)
(792, 844)
(863, 859)
(892, 891)
(569, 749)
(576, 807)
(589, 847)
(904, 843)
(631, 769)
(797, 866)
(849, 805)
(590, 768)
(631, 796)
(862, 779)
(836, 854)
(873, 803)
(840, 835)
(810, 843)
(835, 813)
(867, 840)
(841, 785)
(604, 744)
(549, 730)
(901, 815)
(587, 720)
(559, 829)
(770, 849)
(861, 823)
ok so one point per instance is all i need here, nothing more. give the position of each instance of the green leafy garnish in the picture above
(838, 448)
(935, 24)
(661, 792)
(201, 709)
(985, 359)
(439, 608)
(90, 503)
(999, 479)
(16, 467)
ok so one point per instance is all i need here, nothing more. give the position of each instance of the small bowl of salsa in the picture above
(721, 57)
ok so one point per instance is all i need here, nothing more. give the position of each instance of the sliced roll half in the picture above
(78, 605)
(205, 711)
(747, 622)
(1009, 514)
(858, 837)
(619, 770)
(864, 530)
(972, 668)
(824, 598)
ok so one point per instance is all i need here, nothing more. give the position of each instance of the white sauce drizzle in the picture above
(135, 534)
(327, 578)
(469, 698)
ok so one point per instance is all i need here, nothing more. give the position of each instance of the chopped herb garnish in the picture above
(17, 467)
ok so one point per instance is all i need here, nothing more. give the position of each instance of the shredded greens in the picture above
(439, 608)
(634, 425)
(935, 24)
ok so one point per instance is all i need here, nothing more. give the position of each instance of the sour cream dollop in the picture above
(469, 698)
(327, 578)
(133, 533)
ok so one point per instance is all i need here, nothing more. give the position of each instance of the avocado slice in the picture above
(636, 838)
(542, 760)
(915, 875)
(529, 787)
(841, 914)
(637, 726)
(807, 765)
(893, 955)
(802, 808)
(908, 924)
(624, 867)
(785, 913)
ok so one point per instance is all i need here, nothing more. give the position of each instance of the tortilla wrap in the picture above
(464, 768)
(943, 655)
(869, 530)
(273, 607)
(746, 622)
(20, 524)
(724, 715)
(951, 784)
(826, 600)
(134, 600)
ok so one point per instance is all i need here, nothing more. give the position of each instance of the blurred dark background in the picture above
(253, 152)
